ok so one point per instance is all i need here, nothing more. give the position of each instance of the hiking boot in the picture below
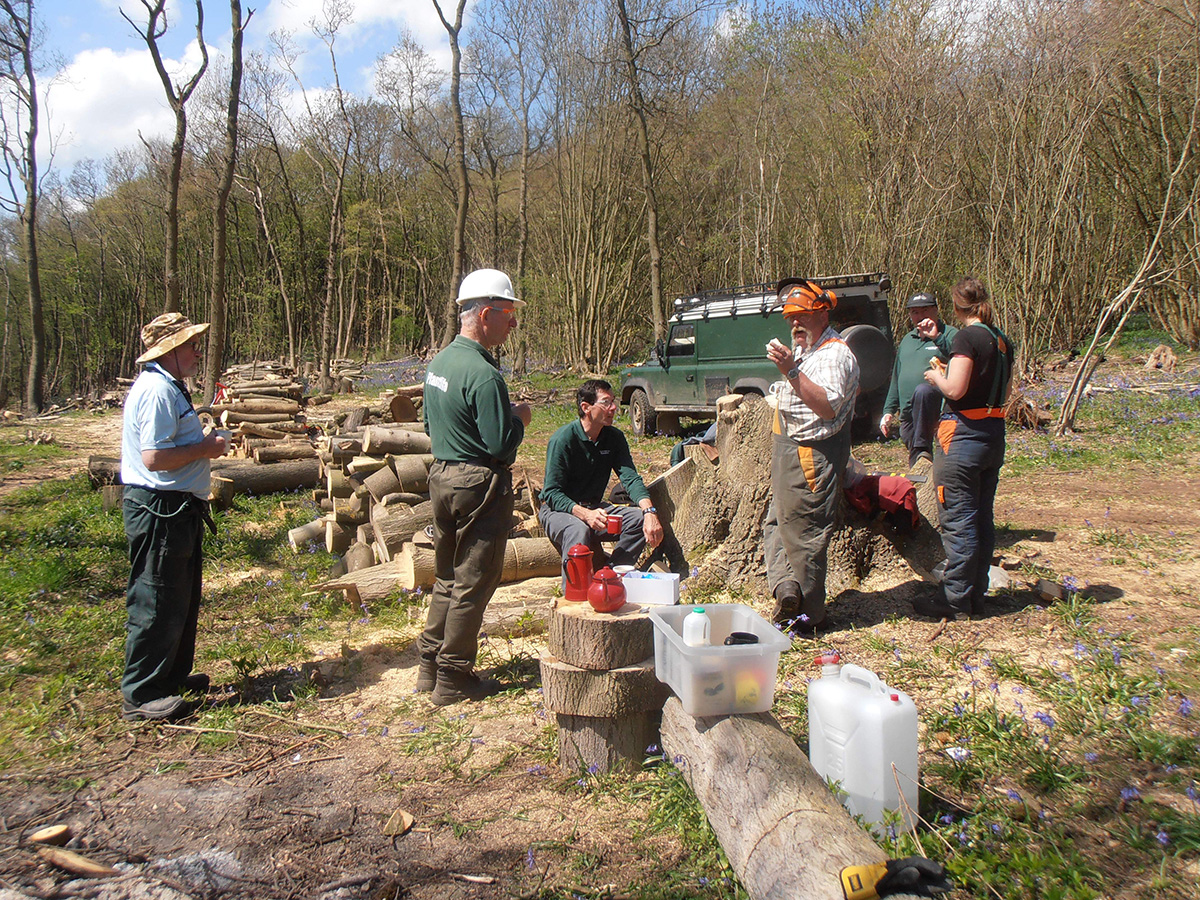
(929, 608)
(164, 709)
(197, 682)
(918, 456)
(454, 687)
(787, 603)
(426, 676)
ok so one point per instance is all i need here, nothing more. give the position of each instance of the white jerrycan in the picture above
(858, 729)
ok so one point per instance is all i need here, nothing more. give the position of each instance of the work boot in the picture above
(787, 603)
(197, 683)
(930, 608)
(426, 675)
(164, 709)
(919, 454)
(456, 686)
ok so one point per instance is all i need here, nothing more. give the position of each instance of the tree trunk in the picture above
(458, 260)
(216, 314)
(783, 830)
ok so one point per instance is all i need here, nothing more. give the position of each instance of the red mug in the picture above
(614, 525)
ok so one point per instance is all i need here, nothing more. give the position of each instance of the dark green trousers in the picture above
(472, 516)
(165, 532)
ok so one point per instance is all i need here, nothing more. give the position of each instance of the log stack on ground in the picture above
(598, 679)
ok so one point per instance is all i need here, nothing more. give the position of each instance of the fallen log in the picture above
(302, 536)
(783, 830)
(590, 640)
(402, 409)
(281, 452)
(358, 556)
(288, 475)
(378, 439)
(229, 418)
(280, 406)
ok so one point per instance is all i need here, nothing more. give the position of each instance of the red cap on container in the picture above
(580, 550)
(827, 659)
(895, 698)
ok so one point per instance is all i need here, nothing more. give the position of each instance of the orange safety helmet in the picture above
(799, 295)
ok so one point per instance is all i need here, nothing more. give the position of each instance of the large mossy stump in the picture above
(598, 679)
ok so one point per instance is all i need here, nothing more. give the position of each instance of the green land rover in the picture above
(716, 345)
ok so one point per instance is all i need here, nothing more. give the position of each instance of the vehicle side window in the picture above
(682, 341)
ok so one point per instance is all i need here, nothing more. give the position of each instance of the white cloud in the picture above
(101, 101)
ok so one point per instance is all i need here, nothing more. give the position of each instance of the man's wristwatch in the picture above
(650, 509)
(793, 372)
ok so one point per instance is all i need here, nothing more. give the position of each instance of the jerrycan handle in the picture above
(865, 677)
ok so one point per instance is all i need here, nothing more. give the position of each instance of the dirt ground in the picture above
(293, 808)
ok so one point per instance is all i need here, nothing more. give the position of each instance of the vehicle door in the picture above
(680, 383)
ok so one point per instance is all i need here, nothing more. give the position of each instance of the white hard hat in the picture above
(487, 284)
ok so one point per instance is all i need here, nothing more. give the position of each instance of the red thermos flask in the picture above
(579, 572)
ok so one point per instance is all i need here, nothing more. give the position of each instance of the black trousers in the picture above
(165, 531)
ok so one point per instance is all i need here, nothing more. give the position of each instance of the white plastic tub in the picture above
(717, 680)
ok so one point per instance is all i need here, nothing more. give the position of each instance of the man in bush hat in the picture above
(912, 403)
(475, 431)
(814, 404)
(165, 467)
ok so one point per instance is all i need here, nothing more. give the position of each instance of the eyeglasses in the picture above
(605, 402)
(511, 313)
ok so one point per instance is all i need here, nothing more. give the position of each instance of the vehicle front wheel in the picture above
(642, 417)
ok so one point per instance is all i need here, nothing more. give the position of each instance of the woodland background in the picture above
(612, 155)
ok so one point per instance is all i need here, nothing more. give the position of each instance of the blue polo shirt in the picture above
(158, 416)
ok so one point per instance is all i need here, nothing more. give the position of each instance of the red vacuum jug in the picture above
(579, 572)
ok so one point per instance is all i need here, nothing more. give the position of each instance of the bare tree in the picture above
(216, 313)
(19, 84)
(177, 98)
(460, 163)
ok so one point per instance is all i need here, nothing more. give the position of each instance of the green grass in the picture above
(17, 451)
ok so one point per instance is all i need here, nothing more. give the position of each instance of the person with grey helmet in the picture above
(475, 431)
(913, 406)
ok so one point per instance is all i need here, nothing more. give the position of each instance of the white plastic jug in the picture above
(858, 728)
(697, 628)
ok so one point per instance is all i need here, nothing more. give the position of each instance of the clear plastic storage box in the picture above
(718, 680)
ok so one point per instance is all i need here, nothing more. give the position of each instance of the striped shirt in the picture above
(832, 366)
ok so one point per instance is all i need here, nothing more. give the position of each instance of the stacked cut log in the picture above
(598, 679)
(378, 517)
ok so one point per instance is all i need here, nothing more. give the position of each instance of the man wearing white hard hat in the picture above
(166, 468)
(475, 431)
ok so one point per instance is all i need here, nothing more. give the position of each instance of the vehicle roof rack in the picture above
(760, 298)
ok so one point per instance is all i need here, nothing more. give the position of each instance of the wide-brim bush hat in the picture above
(166, 332)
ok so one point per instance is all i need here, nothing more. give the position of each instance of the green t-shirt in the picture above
(578, 468)
(912, 359)
(467, 411)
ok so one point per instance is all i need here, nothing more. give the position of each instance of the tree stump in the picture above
(723, 507)
(598, 679)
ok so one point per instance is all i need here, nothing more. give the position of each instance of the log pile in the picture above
(379, 520)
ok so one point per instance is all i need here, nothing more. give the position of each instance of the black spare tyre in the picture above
(875, 354)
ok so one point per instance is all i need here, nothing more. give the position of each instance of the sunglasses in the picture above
(511, 313)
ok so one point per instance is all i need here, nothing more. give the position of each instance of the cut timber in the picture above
(358, 556)
(230, 418)
(403, 498)
(395, 524)
(580, 636)
(379, 439)
(251, 478)
(280, 406)
(221, 492)
(671, 484)
(302, 536)
(412, 470)
(111, 496)
(382, 481)
(784, 831)
(350, 510)
(613, 693)
(601, 744)
(729, 402)
(530, 558)
(402, 409)
(362, 466)
(299, 450)
(337, 536)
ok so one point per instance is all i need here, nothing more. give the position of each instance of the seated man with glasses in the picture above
(580, 459)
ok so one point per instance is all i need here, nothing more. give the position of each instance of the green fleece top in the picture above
(577, 468)
(467, 411)
(912, 359)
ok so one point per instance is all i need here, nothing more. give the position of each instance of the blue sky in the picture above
(100, 88)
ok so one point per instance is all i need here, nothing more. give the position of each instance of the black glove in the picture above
(914, 875)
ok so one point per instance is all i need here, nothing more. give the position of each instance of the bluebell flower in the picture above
(529, 860)
(1129, 793)
(1013, 795)
(1091, 757)
(1185, 707)
(1163, 838)
(1045, 718)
